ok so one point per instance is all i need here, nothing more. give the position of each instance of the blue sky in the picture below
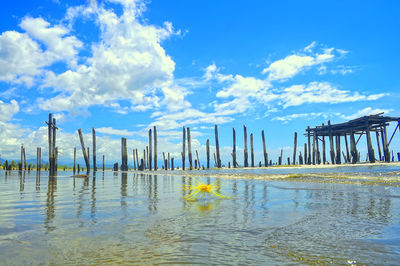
(122, 66)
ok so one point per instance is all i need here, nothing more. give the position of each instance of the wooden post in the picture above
(198, 159)
(246, 156)
(150, 150)
(379, 145)
(305, 153)
(25, 164)
(172, 164)
(371, 153)
(314, 148)
(103, 163)
(55, 158)
(217, 146)
(50, 139)
(338, 153)
(294, 148)
(134, 160)
(264, 149)
(137, 159)
(74, 159)
(144, 158)
(155, 147)
(300, 159)
(165, 161)
(385, 144)
(147, 157)
(288, 160)
(215, 160)
(94, 149)
(308, 159)
(38, 159)
(85, 156)
(189, 148)
(234, 163)
(183, 147)
(169, 162)
(251, 150)
(318, 154)
(332, 152)
(124, 155)
(347, 149)
(208, 153)
(281, 157)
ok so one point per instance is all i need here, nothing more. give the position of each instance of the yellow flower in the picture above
(201, 189)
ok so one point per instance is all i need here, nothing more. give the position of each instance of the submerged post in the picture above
(371, 153)
(378, 144)
(294, 148)
(189, 148)
(308, 159)
(208, 153)
(323, 148)
(347, 149)
(338, 155)
(183, 147)
(155, 147)
(74, 168)
(264, 149)
(246, 156)
(103, 163)
(217, 146)
(251, 150)
(94, 150)
(85, 156)
(124, 155)
(150, 148)
(234, 163)
(331, 142)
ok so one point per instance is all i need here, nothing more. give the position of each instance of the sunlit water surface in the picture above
(143, 218)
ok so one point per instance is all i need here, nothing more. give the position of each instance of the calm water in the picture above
(141, 218)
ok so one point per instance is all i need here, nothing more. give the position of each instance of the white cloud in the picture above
(8, 110)
(321, 92)
(291, 65)
(366, 111)
(287, 118)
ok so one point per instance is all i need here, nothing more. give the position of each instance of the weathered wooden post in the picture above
(189, 148)
(103, 162)
(147, 157)
(155, 147)
(134, 160)
(124, 155)
(25, 164)
(353, 149)
(38, 160)
(281, 157)
(384, 144)
(371, 153)
(217, 146)
(165, 161)
(150, 148)
(347, 149)
(172, 164)
(55, 158)
(74, 168)
(50, 139)
(294, 148)
(264, 149)
(208, 153)
(234, 163)
(169, 161)
(332, 152)
(144, 158)
(137, 159)
(198, 159)
(246, 156)
(215, 160)
(300, 159)
(378, 144)
(314, 148)
(308, 159)
(338, 153)
(251, 150)
(183, 147)
(85, 155)
(94, 149)
(323, 148)
(318, 154)
(20, 165)
(305, 153)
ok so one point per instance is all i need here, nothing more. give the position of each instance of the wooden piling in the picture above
(318, 154)
(305, 153)
(379, 145)
(165, 161)
(150, 150)
(144, 158)
(251, 150)
(217, 146)
(246, 156)
(169, 162)
(137, 159)
(85, 156)
(208, 153)
(124, 155)
(385, 145)
(215, 160)
(300, 159)
(347, 149)
(39, 158)
(332, 152)
(134, 160)
(155, 147)
(198, 159)
(264, 149)
(94, 150)
(294, 148)
(353, 149)
(183, 147)
(189, 148)
(234, 163)
(314, 150)
(55, 158)
(103, 163)
(309, 145)
(371, 153)
(74, 160)
(147, 157)
(338, 153)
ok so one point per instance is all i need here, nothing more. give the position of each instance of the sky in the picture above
(124, 66)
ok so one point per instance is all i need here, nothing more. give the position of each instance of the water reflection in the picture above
(50, 204)
(21, 176)
(37, 180)
(93, 199)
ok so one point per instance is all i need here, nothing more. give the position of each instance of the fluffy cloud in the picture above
(287, 118)
(321, 92)
(128, 63)
(112, 131)
(291, 65)
(7, 111)
(366, 111)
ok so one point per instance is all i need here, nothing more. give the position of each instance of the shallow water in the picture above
(143, 218)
